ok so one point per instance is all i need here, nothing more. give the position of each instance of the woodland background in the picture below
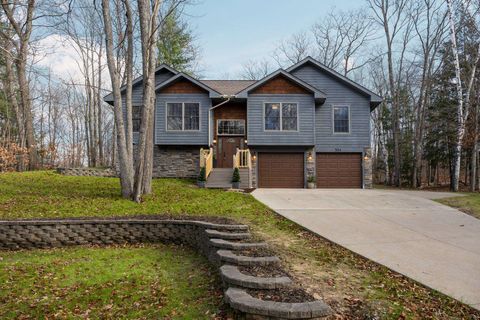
(422, 56)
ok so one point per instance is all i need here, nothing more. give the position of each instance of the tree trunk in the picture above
(125, 163)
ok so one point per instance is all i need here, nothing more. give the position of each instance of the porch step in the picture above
(222, 178)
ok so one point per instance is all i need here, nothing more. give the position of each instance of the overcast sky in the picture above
(231, 32)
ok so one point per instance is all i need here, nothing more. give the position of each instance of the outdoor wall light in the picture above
(365, 158)
(254, 157)
(246, 141)
(309, 157)
(214, 141)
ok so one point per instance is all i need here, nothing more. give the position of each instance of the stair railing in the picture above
(206, 160)
(241, 159)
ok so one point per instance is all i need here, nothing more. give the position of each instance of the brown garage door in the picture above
(339, 170)
(280, 170)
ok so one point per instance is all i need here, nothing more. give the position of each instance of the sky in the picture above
(231, 32)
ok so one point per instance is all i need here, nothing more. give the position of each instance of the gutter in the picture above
(210, 117)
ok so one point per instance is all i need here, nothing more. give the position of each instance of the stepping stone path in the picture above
(237, 283)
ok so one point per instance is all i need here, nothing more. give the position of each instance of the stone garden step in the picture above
(227, 235)
(240, 300)
(225, 244)
(232, 276)
(229, 257)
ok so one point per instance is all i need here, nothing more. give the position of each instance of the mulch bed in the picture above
(263, 271)
(254, 252)
(291, 295)
(211, 219)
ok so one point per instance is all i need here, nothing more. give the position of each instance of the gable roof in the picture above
(228, 87)
(319, 95)
(375, 99)
(109, 97)
(212, 93)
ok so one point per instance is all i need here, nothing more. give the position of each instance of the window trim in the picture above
(231, 134)
(281, 117)
(349, 119)
(183, 117)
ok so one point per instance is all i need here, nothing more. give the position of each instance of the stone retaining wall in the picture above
(210, 239)
(89, 172)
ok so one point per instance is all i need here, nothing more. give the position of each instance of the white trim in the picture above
(281, 117)
(183, 116)
(230, 134)
(349, 119)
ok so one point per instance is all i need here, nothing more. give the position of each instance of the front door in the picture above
(227, 147)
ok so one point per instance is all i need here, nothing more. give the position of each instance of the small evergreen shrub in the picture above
(236, 175)
(202, 176)
(311, 179)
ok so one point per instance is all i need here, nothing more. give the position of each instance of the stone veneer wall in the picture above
(90, 172)
(176, 162)
(367, 168)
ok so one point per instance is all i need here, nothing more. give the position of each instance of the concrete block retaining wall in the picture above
(211, 239)
(88, 172)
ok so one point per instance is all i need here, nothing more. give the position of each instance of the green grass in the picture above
(353, 286)
(131, 282)
(469, 203)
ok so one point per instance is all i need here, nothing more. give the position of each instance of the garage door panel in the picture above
(280, 170)
(339, 170)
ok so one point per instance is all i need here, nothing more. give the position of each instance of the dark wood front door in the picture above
(227, 147)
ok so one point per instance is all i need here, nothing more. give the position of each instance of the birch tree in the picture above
(463, 101)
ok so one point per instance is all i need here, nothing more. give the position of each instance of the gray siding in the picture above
(338, 93)
(164, 137)
(137, 94)
(256, 134)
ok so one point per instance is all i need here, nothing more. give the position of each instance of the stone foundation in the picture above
(367, 168)
(176, 161)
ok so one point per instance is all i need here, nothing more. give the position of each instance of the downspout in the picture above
(210, 115)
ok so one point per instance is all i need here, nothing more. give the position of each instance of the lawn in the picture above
(469, 203)
(133, 282)
(353, 286)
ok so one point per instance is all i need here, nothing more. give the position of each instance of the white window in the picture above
(281, 116)
(341, 119)
(183, 116)
(231, 127)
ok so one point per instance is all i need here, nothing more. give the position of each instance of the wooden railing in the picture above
(242, 159)
(206, 160)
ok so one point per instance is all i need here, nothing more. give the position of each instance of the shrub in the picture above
(311, 179)
(203, 174)
(236, 175)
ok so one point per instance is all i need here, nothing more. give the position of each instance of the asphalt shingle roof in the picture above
(228, 87)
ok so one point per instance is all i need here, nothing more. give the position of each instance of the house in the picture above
(305, 121)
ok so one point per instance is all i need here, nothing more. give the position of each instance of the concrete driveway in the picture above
(403, 230)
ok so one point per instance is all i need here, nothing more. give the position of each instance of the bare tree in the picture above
(21, 24)
(463, 102)
(292, 50)
(255, 70)
(390, 15)
(124, 160)
(429, 17)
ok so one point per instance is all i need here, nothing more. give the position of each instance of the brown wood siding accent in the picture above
(280, 85)
(339, 170)
(280, 170)
(183, 86)
(230, 110)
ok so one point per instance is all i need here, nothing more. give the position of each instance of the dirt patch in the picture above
(255, 252)
(291, 295)
(263, 271)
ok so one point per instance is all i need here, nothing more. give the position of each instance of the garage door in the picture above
(280, 170)
(339, 170)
